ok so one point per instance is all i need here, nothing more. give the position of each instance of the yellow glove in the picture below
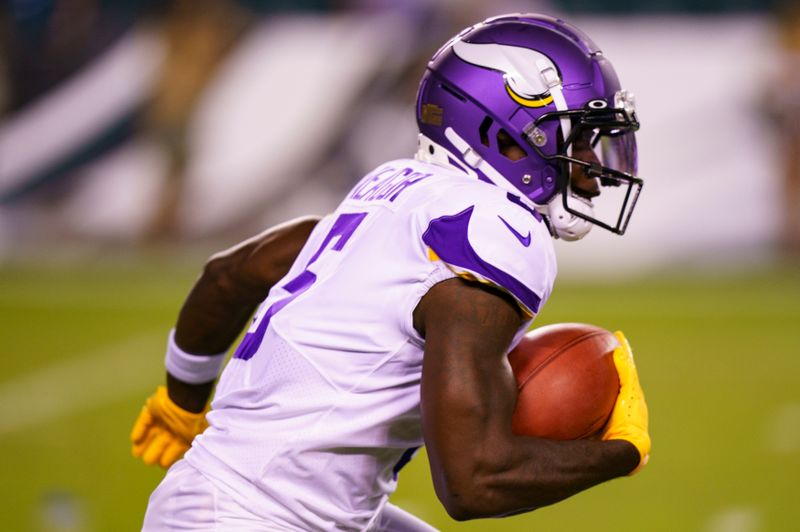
(628, 420)
(164, 431)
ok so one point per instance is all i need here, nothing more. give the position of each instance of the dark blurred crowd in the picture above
(49, 44)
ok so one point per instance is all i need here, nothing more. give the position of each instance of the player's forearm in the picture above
(537, 473)
(495, 472)
(522, 473)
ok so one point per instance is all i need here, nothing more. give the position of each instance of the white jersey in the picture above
(320, 406)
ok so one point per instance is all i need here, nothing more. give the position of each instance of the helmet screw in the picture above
(538, 137)
(526, 179)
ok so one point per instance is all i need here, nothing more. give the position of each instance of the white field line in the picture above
(783, 429)
(735, 519)
(81, 382)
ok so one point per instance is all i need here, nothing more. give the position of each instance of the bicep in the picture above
(468, 390)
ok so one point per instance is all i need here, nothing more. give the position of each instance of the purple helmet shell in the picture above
(541, 82)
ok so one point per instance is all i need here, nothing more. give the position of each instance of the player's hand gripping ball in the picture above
(566, 380)
(629, 420)
(164, 431)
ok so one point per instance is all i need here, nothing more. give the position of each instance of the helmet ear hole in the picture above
(508, 147)
(484, 130)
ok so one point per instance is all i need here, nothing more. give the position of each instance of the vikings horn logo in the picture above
(529, 75)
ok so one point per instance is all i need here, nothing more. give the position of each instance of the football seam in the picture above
(555, 354)
(590, 432)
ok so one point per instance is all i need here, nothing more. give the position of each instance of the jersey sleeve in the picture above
(498, 241)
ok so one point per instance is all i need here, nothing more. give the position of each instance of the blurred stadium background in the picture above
(137, 137)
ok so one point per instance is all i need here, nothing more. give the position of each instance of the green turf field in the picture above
(719, 358)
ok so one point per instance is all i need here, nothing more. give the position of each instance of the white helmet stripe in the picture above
(515, 63)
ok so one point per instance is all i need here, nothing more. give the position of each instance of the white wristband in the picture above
(193, 369)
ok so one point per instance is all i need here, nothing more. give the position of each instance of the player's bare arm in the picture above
(216, 310)
(231, 286)
(479, 467)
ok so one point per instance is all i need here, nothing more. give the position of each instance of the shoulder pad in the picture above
(498, 241)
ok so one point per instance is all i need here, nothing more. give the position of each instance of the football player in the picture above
(385, 325)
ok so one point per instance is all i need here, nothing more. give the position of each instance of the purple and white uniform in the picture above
(319, 408)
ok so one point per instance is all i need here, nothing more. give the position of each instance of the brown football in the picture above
(566, 381)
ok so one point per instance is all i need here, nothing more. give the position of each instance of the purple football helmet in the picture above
(545, 85)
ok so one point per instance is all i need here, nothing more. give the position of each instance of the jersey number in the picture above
(343, 228)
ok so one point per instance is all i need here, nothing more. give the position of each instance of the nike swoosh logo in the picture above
(524, 240)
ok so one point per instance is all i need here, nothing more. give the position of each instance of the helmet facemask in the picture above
(599, 151)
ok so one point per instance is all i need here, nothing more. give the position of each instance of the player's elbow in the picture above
(460, 513)
(469, 494)
(220, 271)
(223, 272)
(469, 502)
(478, 502)
(461, 507)
(482, 486)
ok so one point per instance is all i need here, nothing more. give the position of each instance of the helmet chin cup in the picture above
(566, 225)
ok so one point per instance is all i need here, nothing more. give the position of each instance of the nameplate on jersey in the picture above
(386, 184)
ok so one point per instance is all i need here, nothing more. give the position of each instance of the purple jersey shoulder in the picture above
(448, 236)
